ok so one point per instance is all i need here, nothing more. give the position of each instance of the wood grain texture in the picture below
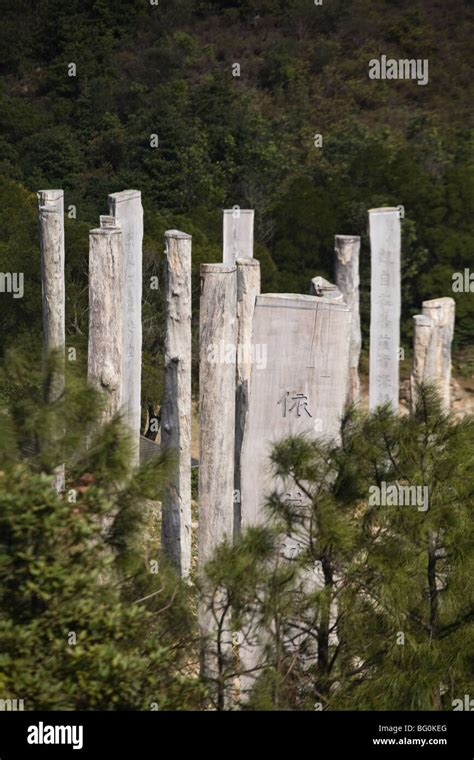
(176, 407)
(347, 280)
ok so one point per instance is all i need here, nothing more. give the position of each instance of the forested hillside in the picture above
(169, 70)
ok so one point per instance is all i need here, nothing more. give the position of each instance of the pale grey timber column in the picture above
(126, 207)
(176, 408)
(237, 234)
(442, 312)
(347, 249)
(104, 366)
(385, 302)
(217, 333)
(248, 288)
(51, 234)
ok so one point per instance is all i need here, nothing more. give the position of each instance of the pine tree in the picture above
(86, 620)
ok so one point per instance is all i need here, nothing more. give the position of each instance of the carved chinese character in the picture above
(296, 402)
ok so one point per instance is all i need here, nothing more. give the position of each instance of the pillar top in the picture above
(298, 301)
(178, 234)
(106, 231)
(125, 195)
(218, 268)
(348, 238)
(50, 195)
(241, 210)
(244, 261)
(384, 210)
(434, 303)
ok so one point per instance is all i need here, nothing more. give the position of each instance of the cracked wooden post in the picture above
(237, 234)
(126, 207)
(432, 339)
(385, 303)
(248, 288)
(51, 234)
(104, 364)
(176, 408)
(217, 338)
(347, 280)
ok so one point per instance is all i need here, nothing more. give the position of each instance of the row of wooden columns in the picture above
(230, 292)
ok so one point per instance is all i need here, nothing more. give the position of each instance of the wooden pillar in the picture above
(51, 234)
(126, 207)
(104, 366)
(248, 288)
(176, 407)
(347, 280)
(385, 304)
(432, 339)
(237, 234)
(218, 335)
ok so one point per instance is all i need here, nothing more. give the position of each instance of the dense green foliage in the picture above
(90, 616)
(247, 140)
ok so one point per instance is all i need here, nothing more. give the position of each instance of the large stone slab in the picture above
(301, 391)
(302, 388)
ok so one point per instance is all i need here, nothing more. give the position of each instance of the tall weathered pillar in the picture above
(104, 364)
(301, 391)
(176, 406)
(218, 335)
(51, 234)
(432, 339)
(347, 280)
(238, 234)
(126, 207)
(385, 302)
(248, 354)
